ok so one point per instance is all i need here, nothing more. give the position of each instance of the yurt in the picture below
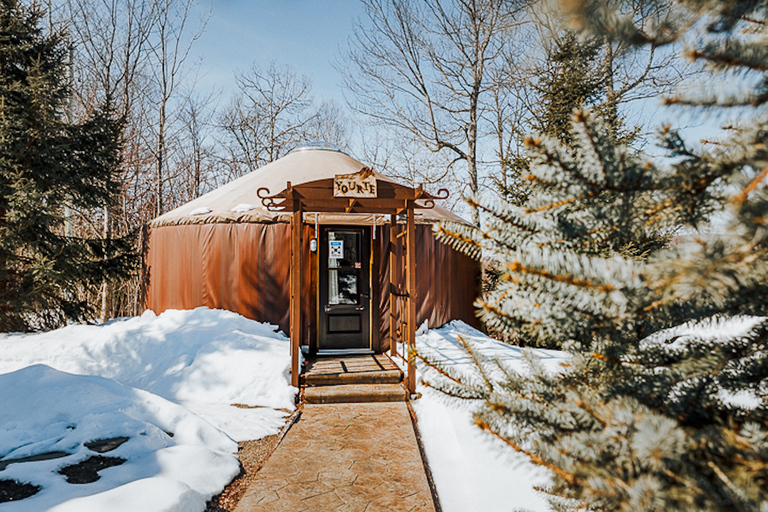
(339, 256)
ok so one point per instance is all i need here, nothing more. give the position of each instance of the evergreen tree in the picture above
(572, 80)
(663, 404)
(46, 164)
(569, 80)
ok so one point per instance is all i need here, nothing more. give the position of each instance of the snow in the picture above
(243, 207)
(200, 211)
(46, 410)
(147, 377)
(204, 359)
(472, 471)
(141, 378)
(714, 330)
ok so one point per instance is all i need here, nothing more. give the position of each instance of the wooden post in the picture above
(296, 264)
(393, 284)
(411, 298)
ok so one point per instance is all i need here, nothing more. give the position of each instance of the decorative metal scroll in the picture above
(279, 202)
(429, 203)
(270, 202)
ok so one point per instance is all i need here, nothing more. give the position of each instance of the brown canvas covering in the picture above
(245, 268)
(240, 260)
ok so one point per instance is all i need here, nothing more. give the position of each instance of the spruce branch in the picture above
(516, 266)
(479, 365)
(751, 187)
(726, 60)
(732, 490)
(536, 459)
(589, 233)
(504, 217)
(564, 202)
(439, 368)
(581, 117)
(552, 159)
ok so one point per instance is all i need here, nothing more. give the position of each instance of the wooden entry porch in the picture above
(352, 379)
(358, 193)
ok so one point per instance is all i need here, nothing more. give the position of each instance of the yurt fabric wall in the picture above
(447, 282)
(245, 268)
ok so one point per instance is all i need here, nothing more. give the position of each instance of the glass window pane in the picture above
(342, 286)
(351, 249)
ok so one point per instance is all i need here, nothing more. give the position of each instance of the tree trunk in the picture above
(611, 107)
(160, 162)
(106, 287)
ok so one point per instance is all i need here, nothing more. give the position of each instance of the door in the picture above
(345, 297)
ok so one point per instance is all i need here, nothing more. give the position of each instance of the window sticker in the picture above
(335, 249)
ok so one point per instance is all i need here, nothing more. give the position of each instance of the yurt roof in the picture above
(238, 200)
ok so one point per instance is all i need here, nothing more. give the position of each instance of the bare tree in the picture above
(272, 113)
(329, 124)
(130, 55)
(108, 53)
(171, 41)
(422, 68)
(110, 37)
(196, 167)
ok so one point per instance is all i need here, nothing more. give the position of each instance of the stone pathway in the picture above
(346, 458)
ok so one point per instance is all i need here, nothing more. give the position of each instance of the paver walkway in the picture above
(347, 458)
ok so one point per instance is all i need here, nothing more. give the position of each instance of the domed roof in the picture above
(239, 201)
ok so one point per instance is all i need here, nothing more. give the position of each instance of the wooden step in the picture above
(333, 379)
(355, 393)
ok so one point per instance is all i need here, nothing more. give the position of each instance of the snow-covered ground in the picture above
(472, 471)
(166, 383)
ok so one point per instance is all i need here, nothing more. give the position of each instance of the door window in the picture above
(344, 267)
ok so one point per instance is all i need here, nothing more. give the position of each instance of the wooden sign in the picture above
(359, 184)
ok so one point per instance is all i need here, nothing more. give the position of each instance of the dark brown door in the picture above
(345, 298)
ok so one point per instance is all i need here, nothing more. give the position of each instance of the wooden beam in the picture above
(378, 206)
(323, 189)
(394, 268)
(296, 320)
(410, 268)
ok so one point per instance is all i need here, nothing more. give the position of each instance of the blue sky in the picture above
(305, 34)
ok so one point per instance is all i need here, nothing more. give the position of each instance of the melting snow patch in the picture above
(46, 410)
(243, 207)
(200, 211)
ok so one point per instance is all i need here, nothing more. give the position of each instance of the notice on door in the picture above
(335, 249)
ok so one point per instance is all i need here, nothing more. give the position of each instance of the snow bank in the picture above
(174, 460)
(472, 471)
(204, 359)
(177, 455)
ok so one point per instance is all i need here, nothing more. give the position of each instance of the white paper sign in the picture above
(336, 249)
